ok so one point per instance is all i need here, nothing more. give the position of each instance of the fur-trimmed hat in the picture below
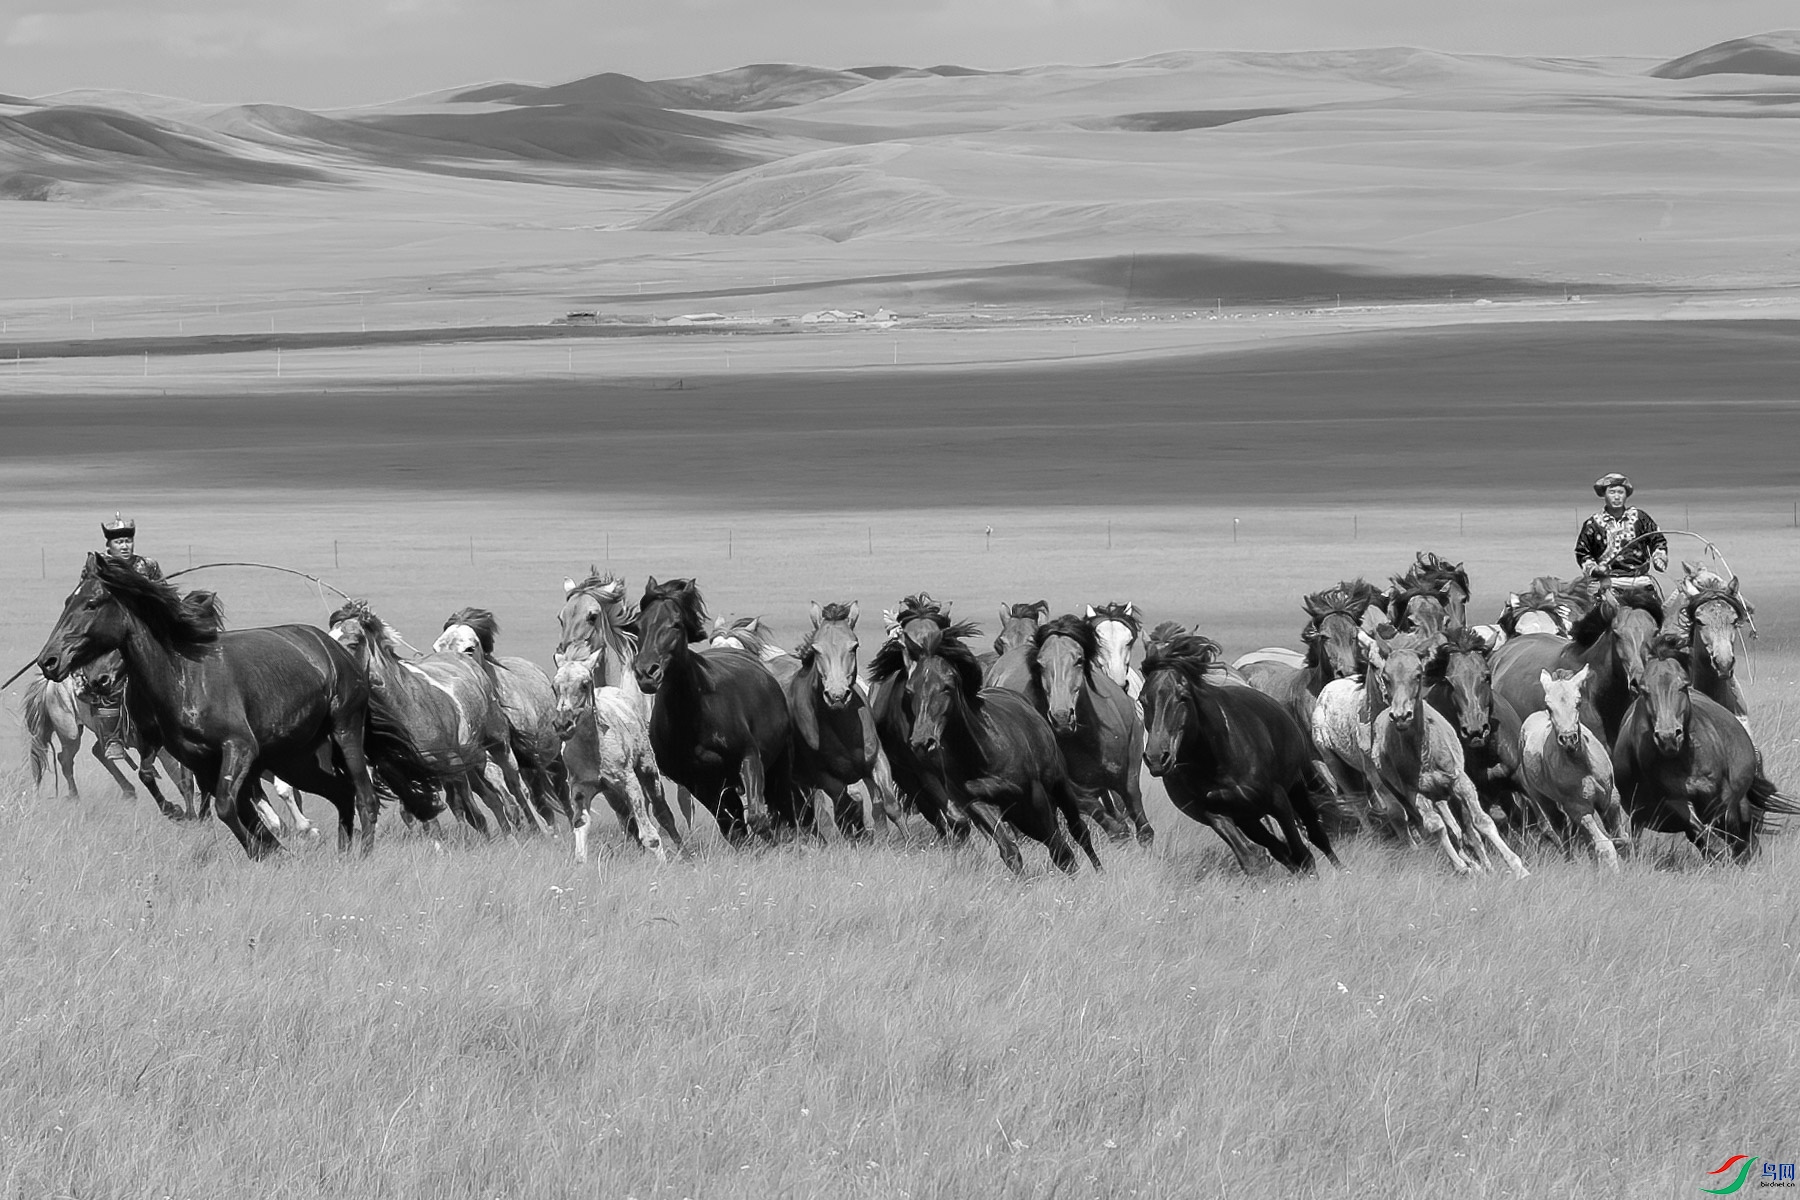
(118, 527)
(1612, 479)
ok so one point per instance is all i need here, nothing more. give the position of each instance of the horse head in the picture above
(1401, 663)
(830, 651)
(1468, 673)
(944, 683)
(1714, 615)
(591, 610)
(671, 616)
(1019, 624)
(1116, 628)
(1334, 623)
(471, 631)
(1562, 698)
(110, 602)
(1063, 653)
(1175, 664)
(574, 688)
(1668, 697)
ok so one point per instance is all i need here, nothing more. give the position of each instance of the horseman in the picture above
(1621, 540)
(108, 702)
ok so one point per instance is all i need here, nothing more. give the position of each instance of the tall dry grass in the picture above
(873, 1021)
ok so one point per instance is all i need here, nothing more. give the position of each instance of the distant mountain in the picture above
(891, 72)
(1775, 53)
(742, 89)
(102, 145)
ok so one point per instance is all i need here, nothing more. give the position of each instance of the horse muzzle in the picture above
(55, 666)
(649, 678)
(1477, 738)
(1062, 722)
(1671, 742)
(837, 700)
(927, 744)
(1570, 740)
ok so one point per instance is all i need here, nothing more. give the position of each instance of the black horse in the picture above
(719, 722)
(1230, 756)
(231, 704)
(991, 749)
(918, 779)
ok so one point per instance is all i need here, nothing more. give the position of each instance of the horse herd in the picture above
(1585, 711)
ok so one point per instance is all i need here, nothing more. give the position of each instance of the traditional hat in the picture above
(118, 527)
(1612, 479)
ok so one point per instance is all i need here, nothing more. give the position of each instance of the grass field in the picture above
(889, 1020)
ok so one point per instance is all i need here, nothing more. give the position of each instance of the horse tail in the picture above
(1767, 805)
(37, 725)
(395, 760)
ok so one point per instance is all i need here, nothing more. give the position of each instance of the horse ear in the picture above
(1041, 608)
(853, 611)
(816, 613)
(1580, 677)
(1130, 609)
(1091, 614)
(650, 583)
(910, 644)
(568, 585)
(1005, 613)
(1732, 587)
(1545, 680)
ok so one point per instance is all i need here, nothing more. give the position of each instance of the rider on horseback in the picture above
(1620, 541)
(108, 702)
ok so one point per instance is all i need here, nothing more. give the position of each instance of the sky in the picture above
(326, 53)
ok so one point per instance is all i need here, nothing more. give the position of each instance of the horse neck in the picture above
(158, 673)
(964, 737)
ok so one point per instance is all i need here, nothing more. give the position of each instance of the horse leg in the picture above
(1430, 818)
(626, 795)
(751, 779)
(236, 780)
(651, 784)
(146, 773)
(1280, 849)
(884, 795)
(1133, 799)
(65, 761)
(1093, 804)
(1300, 798)
(985, 816)
(847, 813)
(1614, 814)
(514, 799)
(98, 750)
(1604, 851)
(290, 800)
(1484, 825)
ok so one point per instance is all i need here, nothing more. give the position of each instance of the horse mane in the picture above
(1069, 626)
(1642, 596)
(1432, 573)
(1351, 598)
(947, 644)
(688, 605)
(382, 636)
(750, 631)
(923, 607)
(1462, 639)
(890, 661)
(1120, 610)
(1172, 648)
(483, 623)
(173, 619)
(1668, 646)
(1032, 608)
(1722, 594)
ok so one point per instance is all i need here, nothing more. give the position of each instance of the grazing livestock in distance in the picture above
(1230, 756)
(230, 704)
(1566, 771)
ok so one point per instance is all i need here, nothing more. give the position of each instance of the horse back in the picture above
(1251, 735)
(1517, 664)
(735, 699)
(1014, 732)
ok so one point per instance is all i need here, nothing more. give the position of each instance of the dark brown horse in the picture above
(1230, 756)
(835, 742)
(229, 704)
(1096, 724)
(1683, 764)
(1018, 625)
(1461, 687)
(1434, 577)
(991, 748)
(892, 705)
(719, 723)
(1612, 638)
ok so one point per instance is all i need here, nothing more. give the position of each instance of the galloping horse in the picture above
(1417, 762)
(1118, 626)
(445, 702)
(835, 740)
(1096, 724)
(56, 711)
(1566, 770)
(229, 704)
(1715, 610)
(1613, 638)
(606, 748)
(1018, 625)
(1549, 605)
(531, 762)
(752, 635)
(1230, 756)
(991, 748)
(1487, 726)
(1434, 577)
(1684, 764)
(892, 705)
(719, 722)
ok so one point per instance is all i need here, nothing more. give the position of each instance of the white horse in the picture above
(1117, 628)
(606, 747)
(1565, 767)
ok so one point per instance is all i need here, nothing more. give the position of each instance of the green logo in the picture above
(1747, 1161)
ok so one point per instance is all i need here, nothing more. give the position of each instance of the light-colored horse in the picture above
(1709, 615)
(606, 747)
(1416, 759)
(1565, 768)
(1118, 627)
(532, 764)
(56, 711)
